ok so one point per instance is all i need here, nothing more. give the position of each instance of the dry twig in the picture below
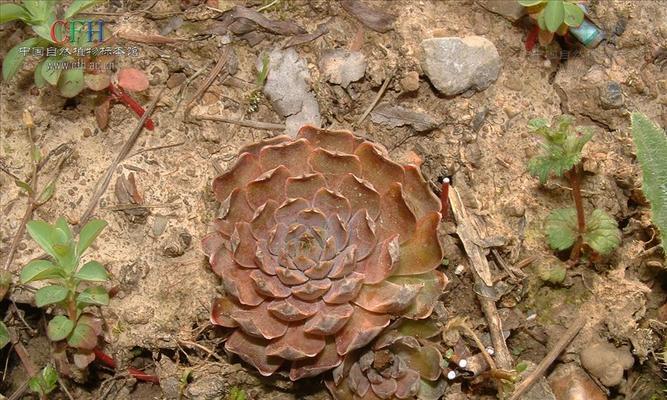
(209, 81)
(376, 100)
(546, 362)
(247, 123)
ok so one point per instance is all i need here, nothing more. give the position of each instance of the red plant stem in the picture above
(531, 39)
(135, 373)
(444, 199)
(575, 180)
(118, 94)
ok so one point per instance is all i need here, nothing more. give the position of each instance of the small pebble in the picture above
(410, 81)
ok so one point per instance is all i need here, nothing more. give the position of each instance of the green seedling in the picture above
(553, 17)
(4, 335)
(237, 394)
(45, 382)
(561, 156)
(256, 95)
(41, 16)
(72, 289)
(651, 144)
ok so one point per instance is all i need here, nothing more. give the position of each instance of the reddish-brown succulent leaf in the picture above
(293, 155)
(407, 385)
(290, 276)
(345, 289)
(377, 169)
(268, 186)
(92, 321)
(304, 186)
(238, 283)
(362, 327)
(244, 245)
(277, 238)
(259, 322)
(236, 207)
(224, 228)
(319, 270)
(417, 193)
(311, 218)
(97, 82)
(425, 360)
(311, 290)
(385, 388)
(263, 220)
(334, 163)
(386, 297)
(341, 141)
(422, 252)
(221, 312)
(255, 148)
(361, 195)
(307, 367)
(245, 170)
(265, 260)
(83, 336)
(395, 215)
(288, 211)
(253, 351)
(222, 260)
(337, 230)
(382, 261)
(82, 358)
(330, 203)
(433, 283)
(296, 344)
(269, 285)
(362, 234)
(344, 263)
(329, 320)
(357, 381)
(421, 329)
(329, 250)
(132, 79)
(211, 243)
(292, 309)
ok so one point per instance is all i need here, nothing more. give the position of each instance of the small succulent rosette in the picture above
(401, 364)
(321, 243)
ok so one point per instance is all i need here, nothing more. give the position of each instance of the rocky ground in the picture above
(445, 84)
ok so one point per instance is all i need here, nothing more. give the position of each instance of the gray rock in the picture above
(287, 87)
(340, 66)
(455, 65)
(509, 9)
(611, 96)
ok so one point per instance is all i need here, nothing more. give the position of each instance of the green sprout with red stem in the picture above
(571, 228)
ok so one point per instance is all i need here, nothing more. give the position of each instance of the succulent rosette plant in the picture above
(400, 364)
(321, 243)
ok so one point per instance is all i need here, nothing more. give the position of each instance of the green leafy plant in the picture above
(651, 144)
(554, 16)
(256, 95)
(237, 394)
(561, 156)
(41, 15)
(45, 382)
(71, 288)
(4, 335)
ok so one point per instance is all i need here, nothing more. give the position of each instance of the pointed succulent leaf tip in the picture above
(321, 242)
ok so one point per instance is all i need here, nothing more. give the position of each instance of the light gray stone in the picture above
(455, 65)
(340, 66)
(288, 88)
(509, 9)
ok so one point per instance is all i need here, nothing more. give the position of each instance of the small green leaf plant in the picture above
(256, 95)
(71, 289)
(571, 228)
(554, 17)
(651, 144)
(40, 15)
(45, 382)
